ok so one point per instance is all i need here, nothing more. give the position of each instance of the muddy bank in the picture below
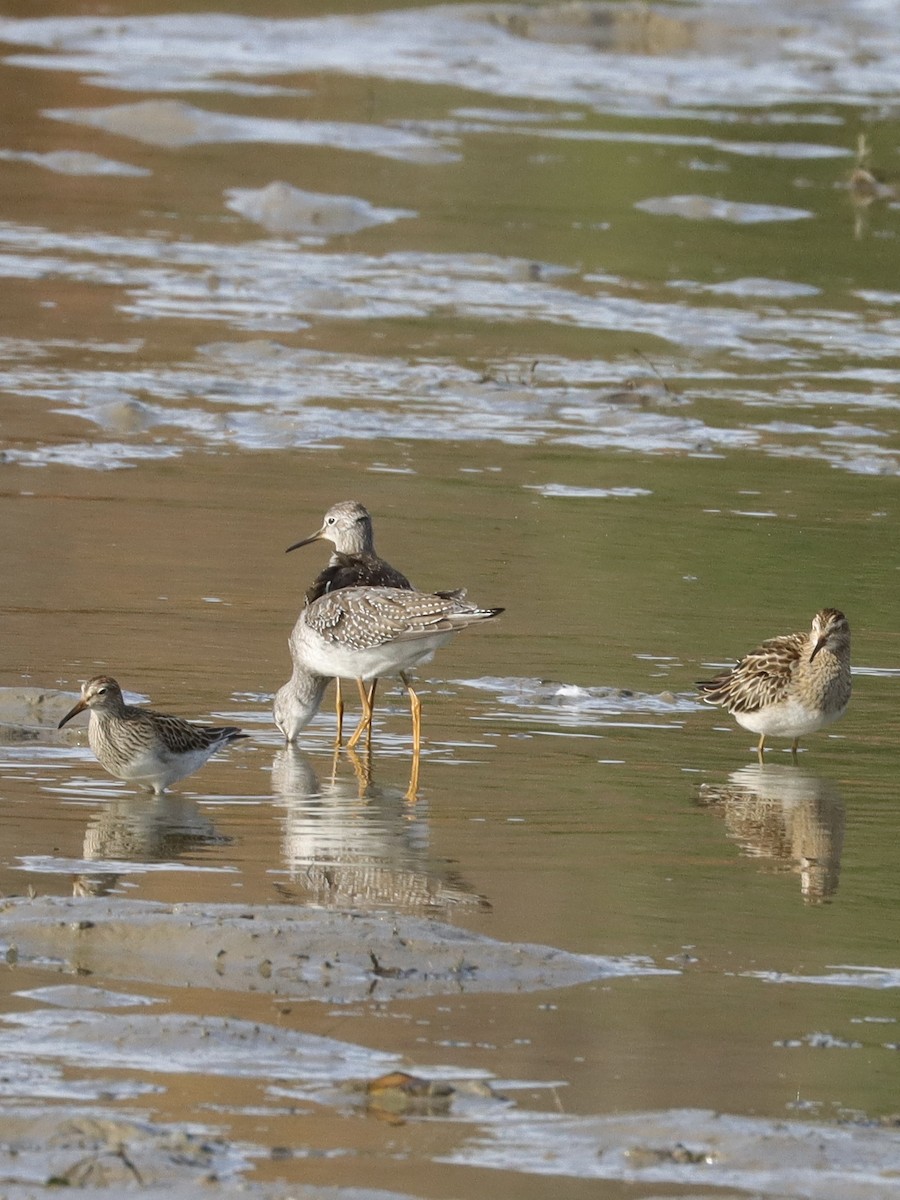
(102, 1155)
(30, 714)
(698, 1149)
(78, 1055)
(279, 950)
(102, 1150)
(219, 1191)
(72, 1036)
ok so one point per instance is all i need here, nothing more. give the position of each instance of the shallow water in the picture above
(595, 328)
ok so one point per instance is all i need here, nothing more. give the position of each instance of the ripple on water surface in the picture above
(707, 55)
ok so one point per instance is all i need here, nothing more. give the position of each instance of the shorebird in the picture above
(142, 746)
(365, 632)
(297, 702)
(790, 685)
(786, 815)
(353, 563)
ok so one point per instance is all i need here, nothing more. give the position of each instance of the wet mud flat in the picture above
(103, 1155)
(74, 1045)
(284, 301)
(282, 950)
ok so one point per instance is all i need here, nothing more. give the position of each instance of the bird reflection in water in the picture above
(141, 829)
(351, 843)
(865, 186)
(787, 816)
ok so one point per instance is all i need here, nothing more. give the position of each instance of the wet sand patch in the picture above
(697, 1148)
(279, 950)
(103, 1154)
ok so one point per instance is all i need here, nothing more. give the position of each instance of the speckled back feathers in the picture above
(138, 743)
(362, 618)
(812, 667)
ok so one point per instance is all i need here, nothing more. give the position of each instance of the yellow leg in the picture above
(365, 720)
(339, 708)
(761, 748)
(415, 708)
(794, 747)
(412, 792)
(370, 702)
(362, 770)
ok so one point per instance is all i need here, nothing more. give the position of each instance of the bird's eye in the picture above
(330, 521)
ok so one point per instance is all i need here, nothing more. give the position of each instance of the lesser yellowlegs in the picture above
(142, 746)
(791, 685)
(297, 702)
(353, 563)
(364, 633)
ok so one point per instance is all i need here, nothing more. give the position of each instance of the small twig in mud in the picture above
(388, 972)
(652, 367)
(524, 378)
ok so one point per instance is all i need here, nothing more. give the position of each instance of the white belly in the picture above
(153, 766)
(335, 661)
(790, 719)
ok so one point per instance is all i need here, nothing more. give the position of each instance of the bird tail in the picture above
(710, 689)
(482, 614)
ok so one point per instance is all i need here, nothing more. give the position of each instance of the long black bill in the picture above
(306, 541)
(73, 712)
(819, 644)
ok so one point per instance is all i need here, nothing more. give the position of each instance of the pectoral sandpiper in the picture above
(142, 746)
(353, 563)
(791, 685)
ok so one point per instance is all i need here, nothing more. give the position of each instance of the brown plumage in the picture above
(355, 570)
(790, 685)
(146, 747)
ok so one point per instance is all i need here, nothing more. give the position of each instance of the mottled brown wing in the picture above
(181, 736)
(759, 678)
